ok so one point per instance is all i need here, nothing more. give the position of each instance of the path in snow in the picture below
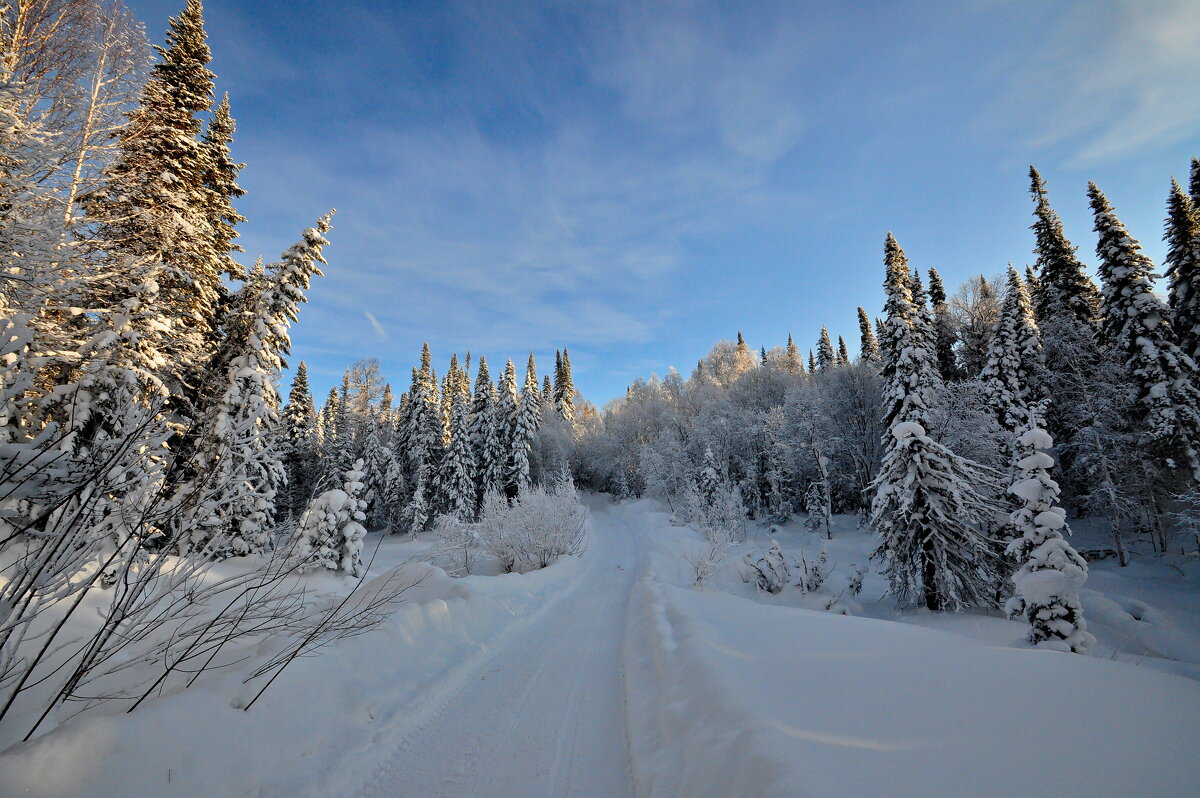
(544, 716)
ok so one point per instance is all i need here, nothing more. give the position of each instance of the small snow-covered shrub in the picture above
(707, 561)
(813, 574)
(855, 585)
(718, 515)
(457, 543)
(771, 572)
(539, 526)
(331, 531)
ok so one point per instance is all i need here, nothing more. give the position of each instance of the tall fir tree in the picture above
(458, 477)
(1065, 289)
(826, 358)
(1183, 267)
(843, 353)
(1137, 323)
(910, 380)
(868, 345)
(794, 364)
(529, 420)
(151, 207)
(1012, 375)
(299, 420)
(220, 179)
(564, 387)
(508, 411)
(943, 328)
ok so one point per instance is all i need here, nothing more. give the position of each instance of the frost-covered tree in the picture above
(378, 468)
(507, 418)
(525, 428)
(299, 420)
(794, 365)
(331, 531)
(945, 335)
(220, 173)
(1051, 571)
(930, 510)
(241, 447)
(150, 206)
(910, 378)
(1065, 290)
(708, 480)
(458, 477)
(1137, 323)
(843, 353)
(1012, 374)
(868, 346)
(564, 387)
(1183, 267)
(826, 359)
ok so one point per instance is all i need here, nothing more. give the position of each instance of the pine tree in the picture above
(241, 448)
(1138, 324)
(220, 178)
(930, 513)
(812, 363)
(378, 468)
(910, 380)
(843, 354)
(1013, 373)
(458, 477)
(508, 411)
(708, 481)
(564, 388)
(943, 328)
(1051, 572)
(794, 364)
(1034, 286)
(300, 442)
(331, 531)
(150, 210)
(1065, 290)
(547, 389)
(826, 359)
(867, 343)
(528, 421)
(1183, 267)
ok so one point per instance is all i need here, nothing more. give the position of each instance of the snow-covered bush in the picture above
(707, 561)
(771, 572)
(457, 542)
(542, 524)
(816, 504)
(1052, 571)
(331, 531)
(813, 574)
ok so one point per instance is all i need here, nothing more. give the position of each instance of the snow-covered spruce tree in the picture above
(771, 571)
(480, 423)
(378, 468)
(507, 415)
(1065, 290)
(152, 203)
(708, 480)
(1033, 286)
(331, 531)
(910, 380)
(300, 461)
(1051, 571)
(793, 362)
(943, 328)
(825, 356)
(930, 509)
(458, 476)
(843, 353)
(868, 346)
(220, 173)
(1013, 372)
(525, 428)
(1183, 268)
(930, 505)
(1137, 323)
(564, 387)
(241, 446)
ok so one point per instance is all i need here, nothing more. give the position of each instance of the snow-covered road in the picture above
(545, 715)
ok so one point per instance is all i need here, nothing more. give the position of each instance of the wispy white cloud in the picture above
(1108, 79)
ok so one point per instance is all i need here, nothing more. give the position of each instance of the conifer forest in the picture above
(954, 551)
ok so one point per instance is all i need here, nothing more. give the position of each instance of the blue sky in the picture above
(634, 180)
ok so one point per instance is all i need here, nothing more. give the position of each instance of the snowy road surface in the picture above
(545, 715)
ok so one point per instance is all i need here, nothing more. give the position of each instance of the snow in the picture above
(609, 675)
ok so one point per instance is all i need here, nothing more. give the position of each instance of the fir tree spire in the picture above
(943, 328)
(1137, 324)
(1012, 375)
(794, 364)
(843, 354)
(825, 355)
(867, 344)
(1183, 268)
(1065, 288)
(220, 178)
